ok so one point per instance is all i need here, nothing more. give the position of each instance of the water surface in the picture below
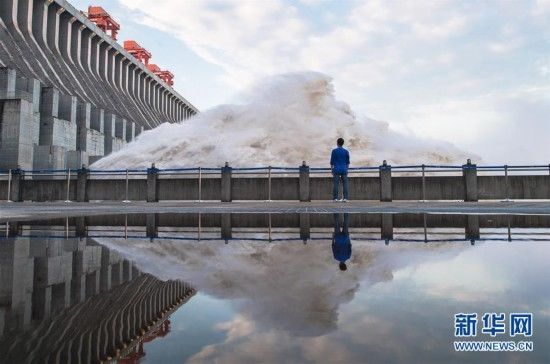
(268, 288)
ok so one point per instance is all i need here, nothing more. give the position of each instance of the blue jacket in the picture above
(341, 247)
(339, 158)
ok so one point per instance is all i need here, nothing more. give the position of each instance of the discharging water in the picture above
(286, 120)
(172, 288)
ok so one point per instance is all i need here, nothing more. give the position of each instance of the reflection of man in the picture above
(341, 245)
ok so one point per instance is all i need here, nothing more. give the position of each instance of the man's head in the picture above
(340, 142)
(343, 266)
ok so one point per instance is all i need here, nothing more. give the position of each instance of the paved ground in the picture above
(29, 210)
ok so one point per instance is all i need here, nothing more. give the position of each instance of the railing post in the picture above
(386, 228)
(225, 225)
(8, 198)
(305, 230)
(226, 183)
(68, 187)
(17, 180)
(82, 184)
(385, 182)
(199, 227)
(80, 226)
(200, 184)
(506, 185)
(305, 195)
(425, 228)
(152, 184)
(469, 171)
(269, 184)
(472, 228)
(126, 188)
(423, 183)
(151, 226)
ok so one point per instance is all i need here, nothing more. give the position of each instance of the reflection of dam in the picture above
(232, 225)
(74, 300)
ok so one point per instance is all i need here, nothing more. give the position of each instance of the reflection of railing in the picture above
(356, 237)
(266, 174)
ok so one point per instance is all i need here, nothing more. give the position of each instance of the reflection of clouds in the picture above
(238, 327)
(487, 273)
(286, 286)
(272, 346)
(291, 297)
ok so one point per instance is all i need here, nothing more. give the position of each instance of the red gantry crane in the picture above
(103, 20)
(106, 23)
(164, 75)
(141, 54)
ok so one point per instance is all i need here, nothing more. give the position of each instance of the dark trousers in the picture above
(336, 182)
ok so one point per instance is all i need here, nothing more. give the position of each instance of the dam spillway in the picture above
(69, 93)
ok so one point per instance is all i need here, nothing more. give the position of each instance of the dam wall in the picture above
(69, 93)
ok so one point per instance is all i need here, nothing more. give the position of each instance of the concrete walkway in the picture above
(35, 210)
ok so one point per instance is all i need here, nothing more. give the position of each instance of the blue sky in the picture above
(473, 73)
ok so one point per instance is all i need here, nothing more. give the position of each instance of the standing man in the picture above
(339, 164)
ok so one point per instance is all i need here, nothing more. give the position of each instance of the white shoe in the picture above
(336, 200)
(344, 200)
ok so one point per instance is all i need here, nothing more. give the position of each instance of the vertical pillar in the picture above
(126, 271)
(17, 180)
(82, 184)
(469, 171)
(386, 229)
(109, 131)
(305, 195)
(151, 221)
(116, 273)
(41, 301)
(120, 129)
(80, 225)
(92, 283)
(472, 228)
(305, 227)
(49, 103)
(385, 182)
(152, 185)
(225, 226)
(226, 183)
(83, 120)
(97, 119)
(78, 281)
(130, 131)
(67, 109)
(105, 273)
(8, 80)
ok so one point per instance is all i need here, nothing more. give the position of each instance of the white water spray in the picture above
(289, 119)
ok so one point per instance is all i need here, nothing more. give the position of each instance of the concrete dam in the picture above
(69, 92)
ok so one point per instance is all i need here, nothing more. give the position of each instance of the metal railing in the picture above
(422, 170)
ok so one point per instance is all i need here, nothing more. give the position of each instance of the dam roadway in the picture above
(10, 211)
